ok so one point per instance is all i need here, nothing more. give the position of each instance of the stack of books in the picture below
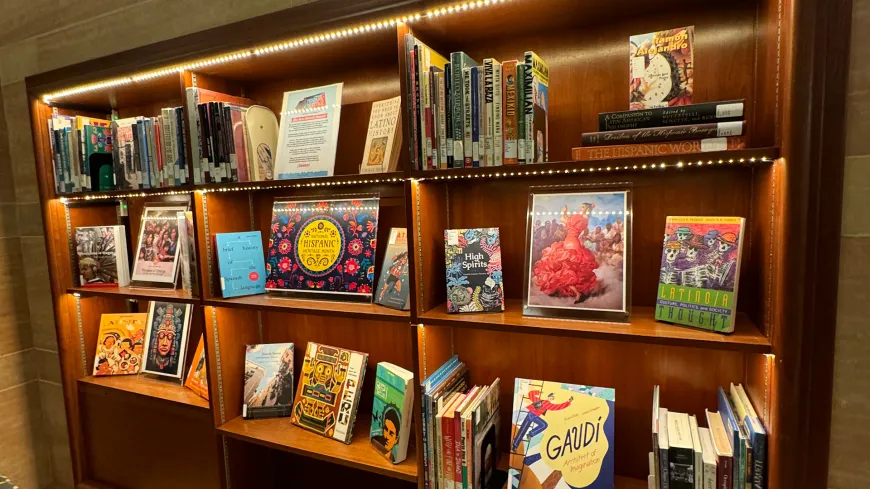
(465, 114)
(731, 453)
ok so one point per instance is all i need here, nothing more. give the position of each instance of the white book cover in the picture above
(696, 446)
(308, 135)
(711, 460)
(497, 116)
(381, 149)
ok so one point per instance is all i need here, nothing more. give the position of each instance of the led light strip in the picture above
(272, 48)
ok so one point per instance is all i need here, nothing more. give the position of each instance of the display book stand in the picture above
(206, 444)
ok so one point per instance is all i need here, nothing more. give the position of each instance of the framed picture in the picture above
(157, 252)
(166, 340)
(578, 253)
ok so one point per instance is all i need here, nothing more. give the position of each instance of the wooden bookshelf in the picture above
(787, 183)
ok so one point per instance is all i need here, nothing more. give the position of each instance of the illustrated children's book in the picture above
(561, 436)
(393, 286)
(197, 376)
(700, 272)
(268, 389)
(329, 389)
(323, 247)
(474, 279)
(391, 411)
(101, 253)
(661, 69)
(240, 261)
(120, 344)
(166, 338)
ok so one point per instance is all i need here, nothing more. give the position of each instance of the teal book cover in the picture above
(389, 431)
(240, 262)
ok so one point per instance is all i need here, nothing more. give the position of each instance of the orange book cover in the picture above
(197, 377)
(595, 153)
(120, 344)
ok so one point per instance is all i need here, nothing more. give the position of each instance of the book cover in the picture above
(329, 389)
(393, 285)
(680, 115)
(700, 272)
(594, 153)
(197, 376)
(511, 111)
(120, 344)
(156, 259)
(562, 435)
(672, 133)
(98, 141)
(459, 61)
(240, 263)
(308, 133)
(325, 246)
(383, 138)
(681, 454)
(261, 141)
(391, 411)
(474, 274)
(537, 108)
(268, 390)
(661, 68)
(101, 256)
(166, 338)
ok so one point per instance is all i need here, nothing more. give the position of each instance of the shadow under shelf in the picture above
(143, 293)
(142, 386)
(357, 310)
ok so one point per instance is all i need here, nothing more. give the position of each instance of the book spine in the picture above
(433, 119)
(759, 461)
(731, 110)
(509, 89)
(443, 143)
(467, 116)
(415, 109)
(709, 476)
(206, 166)
(529, 111)
(424, 411)
(497, 116)
(458, 436)
(521, 113)
(481, 117)
(181, 147)
(488, 97)
(230, 144)
(475, 117)
(446, 472)
(137, 156)
(673, 133)
(427, 119)
(167, 140)
(457, 110)
(664, 479)
(59, 176)
(448, 113)
(595, 153)
(411, 108)
(191, 107)
(725, 473)
(684, 457)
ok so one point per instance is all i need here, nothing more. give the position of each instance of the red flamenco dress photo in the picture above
(567, 268)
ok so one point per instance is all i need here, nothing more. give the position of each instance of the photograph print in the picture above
(577, 247)
(166, 340)
(155, 260)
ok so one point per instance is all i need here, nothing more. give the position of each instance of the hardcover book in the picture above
(562, 435)
(474, 275)
(537, 108)
(459, 61)
(240, 262)
(156, 260)
(729, 110)
(511, 111)
(700, 272)
(329, 390)
(120, 344)
(261, 142)
(187, 245)
(128, 169)
(593, 153)
(268, 391)
(391, 411)
(197, 376)
(323, 247)
(166, 338)
(673, 133)
(393, 286)
(308, 135)
(101, 255)
(661, 68)
(203, 172)
(384, 137)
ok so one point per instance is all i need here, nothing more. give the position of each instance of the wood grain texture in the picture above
(336, 309)
(138, 293)
(143, 385)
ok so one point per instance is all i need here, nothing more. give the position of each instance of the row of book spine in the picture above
(465, 114)
(731, 453)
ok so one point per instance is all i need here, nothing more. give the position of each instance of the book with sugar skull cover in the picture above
(323, 248)
(166, 339)
(120, 344)
(474, 275)
(700, 272)
(562, 435)
(661, 68)
(329, 389)
(268, 381)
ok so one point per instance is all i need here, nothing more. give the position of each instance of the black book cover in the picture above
(474, 274)
(137, 152)
(205, 143)
(681, 473)
(725, 111)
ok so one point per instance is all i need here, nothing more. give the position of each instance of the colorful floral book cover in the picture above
(323, 247)
(120, 344)
(197, 376)
(474, 275)
(240, 262)
(661, 68)
(166, 338)
(700, 272)
(562, 435)
(268, 381)
(391, 412)
(329, 390)
(393, 286)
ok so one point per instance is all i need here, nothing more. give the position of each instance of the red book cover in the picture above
(595, 153)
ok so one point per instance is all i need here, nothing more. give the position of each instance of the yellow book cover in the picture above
(120, 344)
(197, 377)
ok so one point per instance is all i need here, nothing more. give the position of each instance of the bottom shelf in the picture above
(171, 391)
(281, 434)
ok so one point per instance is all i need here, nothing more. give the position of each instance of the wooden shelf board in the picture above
(642, 328)
(174, 295)
(169, 390)
(624, 165)
(620, 482)
(281, 434)
(315, 307)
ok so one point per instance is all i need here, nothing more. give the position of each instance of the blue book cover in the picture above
(738, 442)
(562, 436)
(240, 262)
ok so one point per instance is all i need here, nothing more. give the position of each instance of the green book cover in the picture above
(98, 140)
(389, 433)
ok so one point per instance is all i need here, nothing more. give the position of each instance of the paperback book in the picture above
(393, 286)
(157, 253)
(120, 344)
(166, 338)
(308, 133)
(187, 260)
(536, 107)
(391, 411)
(474, 274)
(240, 263)
(384, 137)
(101, 255)
(661, 68)
(197, 376)
(268, 390)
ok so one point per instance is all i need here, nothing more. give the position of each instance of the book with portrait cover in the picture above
(329, 390)
(120, 344)
(156, 256)
(700, 272)
(197, 376)
(240, 263)
(661, 68)
(323, 248)
(268, 391)
(384, 137)
(393, 285)
(562, 435)
(391, 411)
(474, 276)
(101, 255)
(166, 338)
